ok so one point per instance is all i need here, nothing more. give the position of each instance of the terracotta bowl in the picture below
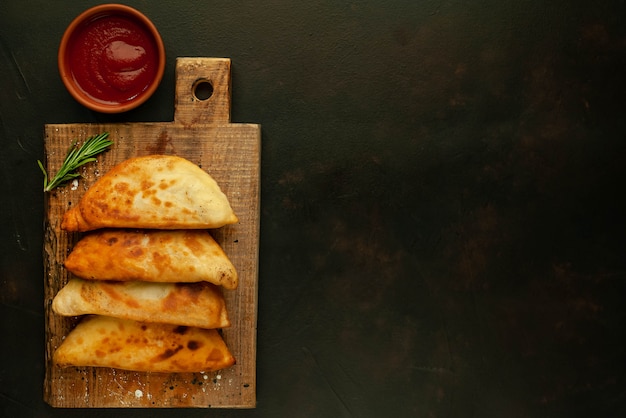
(111, 58)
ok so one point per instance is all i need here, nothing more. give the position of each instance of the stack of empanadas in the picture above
(147, 276)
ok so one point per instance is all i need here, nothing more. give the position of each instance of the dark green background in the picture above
(442, 226)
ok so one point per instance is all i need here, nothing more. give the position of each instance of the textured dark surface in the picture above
(442, 200)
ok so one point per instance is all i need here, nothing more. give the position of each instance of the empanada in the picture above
(156, 191)
(102, 341)
(153, 256)
(192, 304)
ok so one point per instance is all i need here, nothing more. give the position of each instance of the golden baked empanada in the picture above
(156, 191)
(151, 255)
(192, 304)
(102, 341)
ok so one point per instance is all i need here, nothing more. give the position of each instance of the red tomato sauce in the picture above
(113, 59)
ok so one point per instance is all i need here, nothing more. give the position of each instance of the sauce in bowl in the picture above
(111, 60)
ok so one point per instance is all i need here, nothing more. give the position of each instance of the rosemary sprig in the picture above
(76, 157)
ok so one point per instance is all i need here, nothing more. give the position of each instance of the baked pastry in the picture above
(191, 304)
(156, 191)
(102, 341)
(152, 256)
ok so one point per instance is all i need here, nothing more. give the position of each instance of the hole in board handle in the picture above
(202, 89)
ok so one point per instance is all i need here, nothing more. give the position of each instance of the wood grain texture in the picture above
(200, 132)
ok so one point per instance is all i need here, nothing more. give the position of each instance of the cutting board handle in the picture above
(203, 91)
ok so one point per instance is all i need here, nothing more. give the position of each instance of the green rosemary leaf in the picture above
(75, 158)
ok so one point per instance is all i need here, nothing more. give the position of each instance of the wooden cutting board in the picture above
(230, 153)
